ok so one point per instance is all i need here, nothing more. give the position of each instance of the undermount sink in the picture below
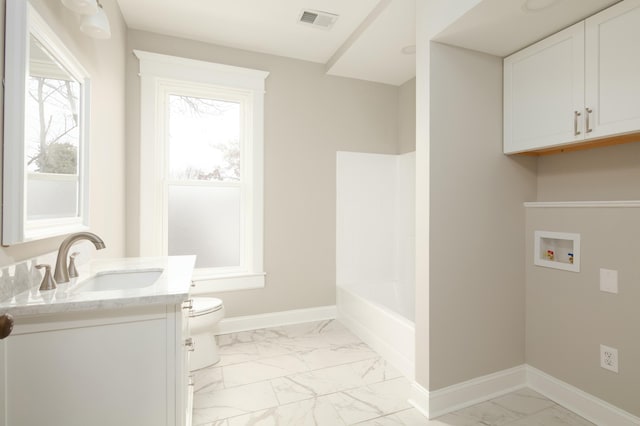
(121, 280)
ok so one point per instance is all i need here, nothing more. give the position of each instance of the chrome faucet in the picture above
(61, 274)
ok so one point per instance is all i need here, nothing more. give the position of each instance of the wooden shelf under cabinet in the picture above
(598, 143)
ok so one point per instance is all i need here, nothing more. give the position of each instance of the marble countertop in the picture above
(172, 287)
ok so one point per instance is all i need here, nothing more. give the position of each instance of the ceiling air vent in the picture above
(318, 19)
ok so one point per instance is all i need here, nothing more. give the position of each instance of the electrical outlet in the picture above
(609, 358)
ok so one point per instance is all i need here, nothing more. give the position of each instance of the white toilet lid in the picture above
(205, 305)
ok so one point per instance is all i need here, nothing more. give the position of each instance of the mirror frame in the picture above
(22, 21)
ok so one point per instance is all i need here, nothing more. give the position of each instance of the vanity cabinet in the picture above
(579, 85)
(105, 367)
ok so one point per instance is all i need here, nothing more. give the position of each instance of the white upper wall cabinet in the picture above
(613, 69)
(577, 85)
(543, 90)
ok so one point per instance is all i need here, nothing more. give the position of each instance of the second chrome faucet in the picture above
(61, 274)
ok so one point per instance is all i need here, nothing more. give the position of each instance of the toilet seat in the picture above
(204, 305)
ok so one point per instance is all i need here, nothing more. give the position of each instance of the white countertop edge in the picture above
(91, 305)
(171, 288)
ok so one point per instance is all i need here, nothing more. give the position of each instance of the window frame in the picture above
(160, 77)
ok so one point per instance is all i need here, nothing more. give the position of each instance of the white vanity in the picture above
(84, 355)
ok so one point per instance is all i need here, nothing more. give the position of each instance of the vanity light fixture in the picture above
(96, 26)
(82, 7)
(94, 21)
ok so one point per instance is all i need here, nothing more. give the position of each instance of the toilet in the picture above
(205, 313)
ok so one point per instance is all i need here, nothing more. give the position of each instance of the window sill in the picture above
(210, 284)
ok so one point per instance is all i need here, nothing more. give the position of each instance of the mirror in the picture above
(45, 173)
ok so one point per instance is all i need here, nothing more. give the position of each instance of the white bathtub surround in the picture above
(375, 259)
(388, 333)
(375, 227)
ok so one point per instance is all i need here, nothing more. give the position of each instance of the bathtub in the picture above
(373, 317)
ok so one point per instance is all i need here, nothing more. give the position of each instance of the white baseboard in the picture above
(275, 319)
(419, 398)
(474, 391)
(442, 401)
(588, 406)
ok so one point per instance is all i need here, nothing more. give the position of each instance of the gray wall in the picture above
(611, 173)
(476, 282)
(105, 62)
(407, 117)
(308, 117)
(568, 318)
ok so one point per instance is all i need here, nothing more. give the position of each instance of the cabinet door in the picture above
(613, 70)
(87, 374)
(543, 88)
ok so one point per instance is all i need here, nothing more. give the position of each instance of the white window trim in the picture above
(156, 70)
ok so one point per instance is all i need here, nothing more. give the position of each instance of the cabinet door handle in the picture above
(187, 305)
(576, 114)
(589, 111)
(190, 344)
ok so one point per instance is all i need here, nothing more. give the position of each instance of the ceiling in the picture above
(502, 27)
(367, 38)
(365, 42)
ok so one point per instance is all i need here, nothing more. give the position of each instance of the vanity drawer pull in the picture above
(190, 344)
(188, 304)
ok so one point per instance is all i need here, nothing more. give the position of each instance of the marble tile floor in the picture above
(321, 374)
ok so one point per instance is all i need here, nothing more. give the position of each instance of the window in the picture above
(201, 167)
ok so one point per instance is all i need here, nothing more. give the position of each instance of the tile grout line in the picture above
(299, 354)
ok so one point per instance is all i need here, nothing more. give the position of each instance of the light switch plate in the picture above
(609, 280)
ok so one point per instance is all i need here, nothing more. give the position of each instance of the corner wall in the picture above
(407, 117)
(476, 278)
(432, 16)
(105, 62)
